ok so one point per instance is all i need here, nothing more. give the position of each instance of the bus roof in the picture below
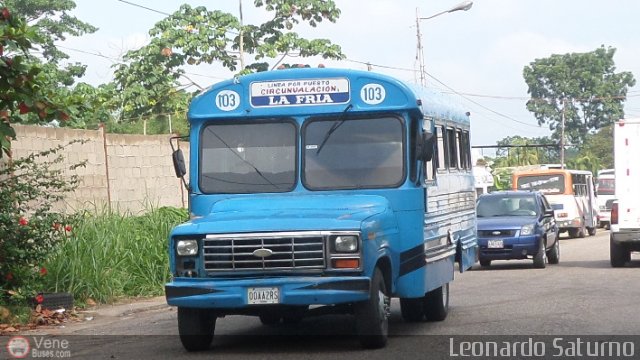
(317, 91)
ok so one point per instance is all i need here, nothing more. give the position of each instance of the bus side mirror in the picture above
(424, 146)
(178, 163)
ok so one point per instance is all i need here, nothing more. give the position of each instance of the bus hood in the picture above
(287, 213)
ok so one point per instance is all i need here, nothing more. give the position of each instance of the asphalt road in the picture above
(582, 295)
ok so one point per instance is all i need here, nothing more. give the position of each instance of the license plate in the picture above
(263, 295)
(495, 244)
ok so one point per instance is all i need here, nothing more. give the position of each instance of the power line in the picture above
(120, 61)
(144, 7)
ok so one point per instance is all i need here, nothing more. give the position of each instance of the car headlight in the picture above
(527, 229)
(187, 247)
(345, 243)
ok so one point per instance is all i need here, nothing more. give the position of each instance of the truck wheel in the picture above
(411, 309)
(485, 263)
(540, 258)
(372, 316)
(554, 254)
(592, 231)
(196, 328)
(436, 303)
(619, 255)
(573, 233)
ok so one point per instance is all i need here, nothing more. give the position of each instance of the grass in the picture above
(111, 256)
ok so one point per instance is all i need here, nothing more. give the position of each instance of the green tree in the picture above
(600, 146)
(150, 78)
(582, 87)
(21, 80)
(52, 21)
(524, 153)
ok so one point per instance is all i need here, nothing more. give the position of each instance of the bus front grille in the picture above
(266, 251)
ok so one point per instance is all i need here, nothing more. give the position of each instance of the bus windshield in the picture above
(548, 183)
(605, 187)
(248, 158)
(353, 154)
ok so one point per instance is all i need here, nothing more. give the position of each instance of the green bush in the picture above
(110, 255)
(30, 228)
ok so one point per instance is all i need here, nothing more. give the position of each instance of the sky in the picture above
(478, 55)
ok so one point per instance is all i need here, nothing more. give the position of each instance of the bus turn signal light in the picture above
(346, 263)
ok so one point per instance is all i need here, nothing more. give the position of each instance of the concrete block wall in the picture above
(136, 173)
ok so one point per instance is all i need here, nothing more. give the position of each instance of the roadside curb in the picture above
(129, 308)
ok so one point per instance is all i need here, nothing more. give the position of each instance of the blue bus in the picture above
(321, 190)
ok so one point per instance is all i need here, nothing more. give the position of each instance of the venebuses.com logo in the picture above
(19, 347)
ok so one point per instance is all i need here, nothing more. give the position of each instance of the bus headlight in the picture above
(187, 247)
(527, 229)
(345, 243)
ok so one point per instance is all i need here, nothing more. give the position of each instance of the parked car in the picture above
(517, 225)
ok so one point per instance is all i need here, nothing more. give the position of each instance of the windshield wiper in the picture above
(243, 160)
(334, 127)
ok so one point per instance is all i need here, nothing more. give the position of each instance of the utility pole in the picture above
(419, 51)
(463, 6)
(564, 105)
(241, 42)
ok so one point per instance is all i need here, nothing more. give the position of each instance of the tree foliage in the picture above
(524, 153)
(599, 146)
(22, 94)
(52, 22)
(583, 86)
(150, 80)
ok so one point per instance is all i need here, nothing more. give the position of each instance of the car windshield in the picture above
(506, 205)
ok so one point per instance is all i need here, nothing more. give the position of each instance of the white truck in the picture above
(625, 212)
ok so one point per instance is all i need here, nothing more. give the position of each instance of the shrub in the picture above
(30, 227)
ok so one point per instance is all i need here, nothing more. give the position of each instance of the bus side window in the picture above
(442, 157)
(430, 166)
(465, 151)
(452, 149)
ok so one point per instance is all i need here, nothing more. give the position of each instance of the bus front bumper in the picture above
(235, 293)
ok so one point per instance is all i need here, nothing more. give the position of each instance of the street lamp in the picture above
(464, 6)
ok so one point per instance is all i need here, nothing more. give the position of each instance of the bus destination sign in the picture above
(300, 92)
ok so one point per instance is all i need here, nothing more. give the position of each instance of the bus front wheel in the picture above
(372, 316)
(196, 328)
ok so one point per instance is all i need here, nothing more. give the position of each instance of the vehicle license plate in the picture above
(263, 295)
(495, 244)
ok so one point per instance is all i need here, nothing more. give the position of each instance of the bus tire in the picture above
(411, 309)
(436, 303)
(196, 328)
(372, 316)
(540, 258)
(618, 253)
